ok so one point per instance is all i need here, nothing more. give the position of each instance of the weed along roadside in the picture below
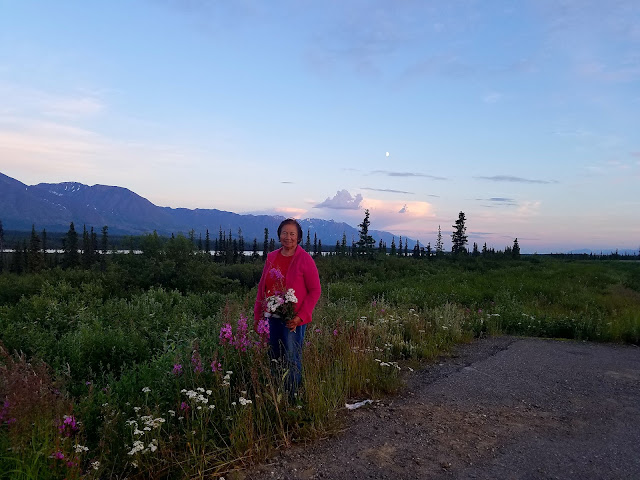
(117, 377)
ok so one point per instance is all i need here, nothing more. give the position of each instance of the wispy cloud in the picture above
(386, 190)
(342, 200)
(406, 174)
(286, 182)
(511, 179)
(496, 201)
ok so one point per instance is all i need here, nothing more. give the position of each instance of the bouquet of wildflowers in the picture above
(283, 305)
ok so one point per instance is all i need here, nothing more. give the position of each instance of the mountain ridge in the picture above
(53, 206)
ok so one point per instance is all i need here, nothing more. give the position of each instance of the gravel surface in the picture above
(499, 408)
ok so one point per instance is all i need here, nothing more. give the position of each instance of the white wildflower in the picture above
(95, 465)
(290, 296)
(146, 390)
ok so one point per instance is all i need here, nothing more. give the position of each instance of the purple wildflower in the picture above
(263, 329)
(276, 274)
(69, 426)
(226, 334)
(196, 361)
(335, 332)
(241, 340)
(58, 454)
(184, 407)
(177, 369)
(216, 366)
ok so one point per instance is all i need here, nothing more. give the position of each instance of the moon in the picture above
(387, 154)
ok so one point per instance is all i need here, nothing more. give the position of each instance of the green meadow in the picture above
(128, 369)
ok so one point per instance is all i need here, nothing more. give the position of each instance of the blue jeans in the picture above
(286, 347)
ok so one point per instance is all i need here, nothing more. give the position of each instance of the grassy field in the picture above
(132, 372)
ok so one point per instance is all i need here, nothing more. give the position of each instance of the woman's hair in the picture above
(291, 221)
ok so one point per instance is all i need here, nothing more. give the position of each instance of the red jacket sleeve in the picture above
(313, 290)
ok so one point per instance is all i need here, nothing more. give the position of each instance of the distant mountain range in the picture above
(53, 206)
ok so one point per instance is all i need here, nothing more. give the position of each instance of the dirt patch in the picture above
(499, 408)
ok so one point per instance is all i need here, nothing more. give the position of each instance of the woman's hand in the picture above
(293, 323)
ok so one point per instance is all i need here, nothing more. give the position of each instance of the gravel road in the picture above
(499, 408)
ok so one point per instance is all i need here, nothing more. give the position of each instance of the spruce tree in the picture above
(428, 250)
(254, 254)
(105, 239)
(319, 247)
(307, 245)
(439, 249)
(70, 257)
(315, 244)
(393, 246)
(459, 237)
(337, 247)
(207, 242)
(241, 245)
(406, 248)
(515, 251)
(366, 243)
(475, 252)
(400, 247)
(265, 251)
(343, 245)
(35, 259)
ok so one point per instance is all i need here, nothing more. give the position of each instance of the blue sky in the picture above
(524, 115)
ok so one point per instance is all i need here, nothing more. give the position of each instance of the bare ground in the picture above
(499, 408)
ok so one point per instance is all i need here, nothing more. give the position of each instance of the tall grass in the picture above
(156, 390)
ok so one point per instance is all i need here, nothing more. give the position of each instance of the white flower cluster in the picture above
(150, 423)
(138, 446)
(80, 448)
(290, 296)
(146, 390)
(388, 364)
(273, 302)
(95, 465)
(243, 401)
(195, 395)
(226, 380)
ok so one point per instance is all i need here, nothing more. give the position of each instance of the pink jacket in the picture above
(302, 277)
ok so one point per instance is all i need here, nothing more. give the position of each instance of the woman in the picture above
(289, 267)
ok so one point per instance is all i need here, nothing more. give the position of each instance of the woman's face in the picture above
(289, 236)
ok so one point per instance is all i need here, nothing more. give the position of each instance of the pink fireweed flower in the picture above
(69, 426)
(184, 407)
(58, 455)
(276, 274)
(241, 339)
(216, 366)
(335, 332)
(177, 369)
(263, 329)
(226, 334)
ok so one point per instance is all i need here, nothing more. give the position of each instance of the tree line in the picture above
(91, 248)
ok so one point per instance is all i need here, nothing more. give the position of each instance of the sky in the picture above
(524, 115)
